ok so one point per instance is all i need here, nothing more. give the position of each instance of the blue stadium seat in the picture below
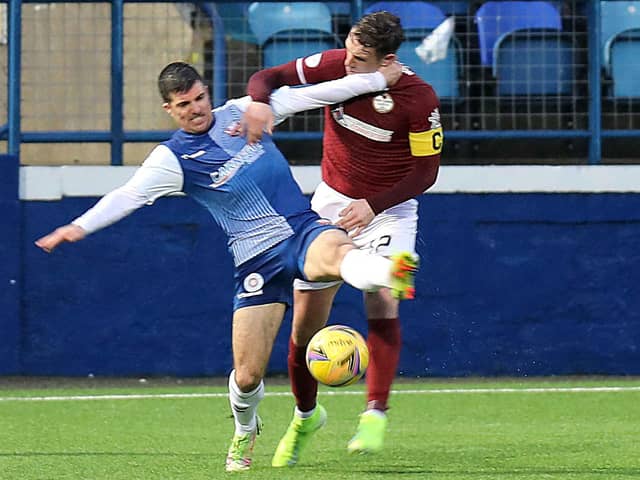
(287, 31)
(624, 57)
(620, 23)
(496, 19)
(534, 62)
(616, 17)
(418, 20)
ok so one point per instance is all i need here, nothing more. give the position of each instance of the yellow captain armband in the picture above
(426, 143)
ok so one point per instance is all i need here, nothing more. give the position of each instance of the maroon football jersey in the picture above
(373, 141)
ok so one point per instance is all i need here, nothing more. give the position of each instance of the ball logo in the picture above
(253, 283)
(383, 103)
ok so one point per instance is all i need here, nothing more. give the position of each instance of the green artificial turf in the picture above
(498, 430)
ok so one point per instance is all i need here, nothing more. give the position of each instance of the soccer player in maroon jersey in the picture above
(379, 152)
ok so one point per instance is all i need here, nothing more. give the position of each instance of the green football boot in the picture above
(297, 437)
(239, 454)
(403, 274)
(370, 434)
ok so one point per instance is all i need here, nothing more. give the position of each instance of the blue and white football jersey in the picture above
(248, 189)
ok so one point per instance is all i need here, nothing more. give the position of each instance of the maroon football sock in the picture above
(303, 385)
(384, 341)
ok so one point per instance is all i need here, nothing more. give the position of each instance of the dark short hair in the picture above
(381, 31)
(177, 77)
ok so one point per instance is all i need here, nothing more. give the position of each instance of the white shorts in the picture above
(392, 230)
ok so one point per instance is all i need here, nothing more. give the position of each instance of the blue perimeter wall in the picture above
(511, 284)
(10, 262)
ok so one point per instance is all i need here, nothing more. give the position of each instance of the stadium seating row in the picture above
(521, 42)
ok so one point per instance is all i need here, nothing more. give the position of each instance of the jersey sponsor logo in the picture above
(246, 156)
(358, 126)
(252, 284)
(193, 156)
(383, 103)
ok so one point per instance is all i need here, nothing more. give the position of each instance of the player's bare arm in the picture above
(66, 233)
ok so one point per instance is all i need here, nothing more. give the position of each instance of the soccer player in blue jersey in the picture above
(274, 236)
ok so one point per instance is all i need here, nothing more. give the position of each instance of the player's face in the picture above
(191, 110)
(360, 59)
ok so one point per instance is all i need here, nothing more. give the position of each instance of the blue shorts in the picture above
(268, 278)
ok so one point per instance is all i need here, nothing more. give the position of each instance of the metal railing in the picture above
(591, 130)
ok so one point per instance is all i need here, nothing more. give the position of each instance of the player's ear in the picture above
(167, 107)
(388, 59)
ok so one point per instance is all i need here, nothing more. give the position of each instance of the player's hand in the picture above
(392, 72)
(355, 217)
(257, 118)
(66, 233)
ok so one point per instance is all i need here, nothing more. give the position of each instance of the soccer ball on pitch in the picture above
(337, 356)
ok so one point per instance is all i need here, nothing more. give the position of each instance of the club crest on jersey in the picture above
(383, 103)
(252, 284)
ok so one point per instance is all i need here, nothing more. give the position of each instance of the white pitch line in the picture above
(454, 391)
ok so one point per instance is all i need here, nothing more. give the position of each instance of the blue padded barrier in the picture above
(10, 277)
(510, 284)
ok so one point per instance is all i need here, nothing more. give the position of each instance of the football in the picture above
(337, 356)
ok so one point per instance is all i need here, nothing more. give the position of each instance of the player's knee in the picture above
(247, 378)
(380, 304)
(325, 255)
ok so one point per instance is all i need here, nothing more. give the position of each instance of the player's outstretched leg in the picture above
(403, 273)
(241, 449)
(370, 434)
(297, 437)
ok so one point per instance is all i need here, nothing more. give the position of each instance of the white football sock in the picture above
(300, 414)
(365, 271)
(244, 405)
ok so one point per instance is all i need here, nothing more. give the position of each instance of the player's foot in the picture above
(370, 434)
(403, 274)
(239, 455)
(297, 436)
